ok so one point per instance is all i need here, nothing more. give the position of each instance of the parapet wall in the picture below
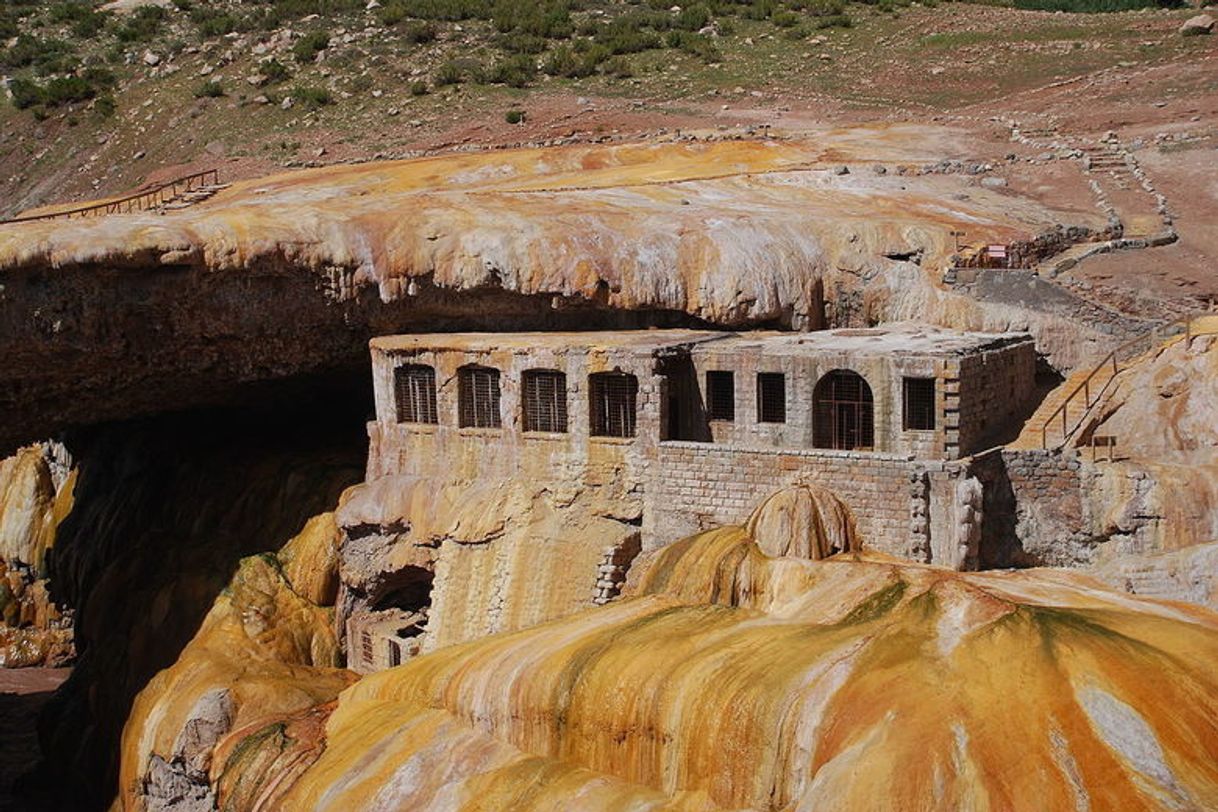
(899, 504)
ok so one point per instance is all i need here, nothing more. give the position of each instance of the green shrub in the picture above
(68, 89)
(518, 42)
(142, 24)
(693, 18)
(448, 73)
(213, 23)
(694, 44)
(310, 45)
(448, 10)
(618, 67)
(313, 97)
(81, 18)
(514, 116)
(419, 33)
(105, 106)
(99, 77)
(418, 89)
(274, 71)
(514, 71)
(26, 94)
(209, 90)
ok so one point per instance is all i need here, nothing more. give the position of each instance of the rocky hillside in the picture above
(105, 97)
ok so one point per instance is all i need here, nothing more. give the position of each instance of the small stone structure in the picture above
(692, 429)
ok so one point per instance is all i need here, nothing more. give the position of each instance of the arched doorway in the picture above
(843, 412)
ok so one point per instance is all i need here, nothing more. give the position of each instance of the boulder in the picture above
(1197, 26)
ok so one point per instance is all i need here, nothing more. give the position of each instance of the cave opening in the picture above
(165, 507)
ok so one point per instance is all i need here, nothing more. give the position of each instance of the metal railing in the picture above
(140, 201)
(1187, 326)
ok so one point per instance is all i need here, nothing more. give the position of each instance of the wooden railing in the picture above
(1091, 392)
(140, 201)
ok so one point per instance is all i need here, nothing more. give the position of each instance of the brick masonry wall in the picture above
(897, 502)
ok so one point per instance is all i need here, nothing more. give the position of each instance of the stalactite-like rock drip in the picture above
(804, 522)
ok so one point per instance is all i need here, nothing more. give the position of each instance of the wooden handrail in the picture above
(1155, 335)
(134, 202)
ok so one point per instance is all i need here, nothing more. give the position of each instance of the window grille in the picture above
(720, 396)
(545, 400)
(395, 653)
(843, 414)
(478, 398)
(613, 398)
(366, 648)
(414, 388)
(771, 397)
(918, 396)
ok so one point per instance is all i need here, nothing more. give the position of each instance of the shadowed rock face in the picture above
(730, 679)
(164, 510)
(135, 314)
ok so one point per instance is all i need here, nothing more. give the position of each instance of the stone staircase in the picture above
(1094, 383)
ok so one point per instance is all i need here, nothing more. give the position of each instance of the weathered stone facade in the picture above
(687, 468)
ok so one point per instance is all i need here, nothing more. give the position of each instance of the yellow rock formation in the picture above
(265, 649)
(729, 231)
(32, 505)
(730, 679)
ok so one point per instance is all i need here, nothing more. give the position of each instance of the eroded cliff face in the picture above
(126, 315)
(1158, 502)
(729, 678)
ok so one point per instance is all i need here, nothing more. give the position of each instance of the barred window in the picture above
(545, 400)
(414, 387)
(612, 400)
(843, 412)
(771, 397)
(720, 396)
(478, 397)
(918, 396)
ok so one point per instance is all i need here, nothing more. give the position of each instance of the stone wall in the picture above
(902, 506)
(1035, 513)
(996, 394)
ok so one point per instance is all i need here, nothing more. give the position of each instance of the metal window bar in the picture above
(545, 401)
(720, 395)
(843, 412)
(918, 407)
(613, 398)
(478, 398)
(415, 393)
(771, 397)
(366, 648)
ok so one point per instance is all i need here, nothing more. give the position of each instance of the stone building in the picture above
(675, 431)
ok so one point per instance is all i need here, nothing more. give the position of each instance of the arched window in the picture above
(478, 397)
(544, 400)
(612, 399)
(843, 413)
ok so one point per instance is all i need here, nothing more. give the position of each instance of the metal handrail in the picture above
(1155, 335)
(140, 201)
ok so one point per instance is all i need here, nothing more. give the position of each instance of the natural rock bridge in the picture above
(289, 276)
